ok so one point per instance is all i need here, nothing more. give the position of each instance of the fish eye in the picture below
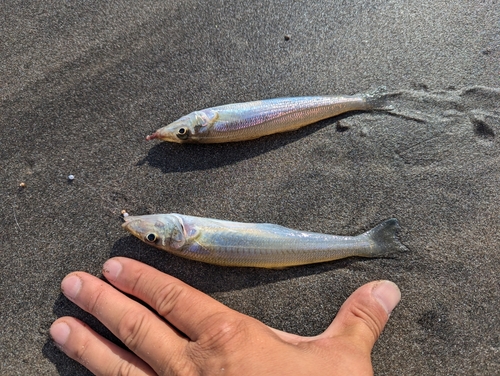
(151, 237)
(182, 133)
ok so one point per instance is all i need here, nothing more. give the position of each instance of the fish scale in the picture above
(262, 245)
(250, 120)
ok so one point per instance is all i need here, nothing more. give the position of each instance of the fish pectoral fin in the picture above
(207, 117)
(199, 249)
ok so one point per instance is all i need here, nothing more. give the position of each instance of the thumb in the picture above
(364, 314)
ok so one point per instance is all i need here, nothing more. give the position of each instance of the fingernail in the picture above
(60, 333)
(71, 286)
(111, 269)
(387, 294)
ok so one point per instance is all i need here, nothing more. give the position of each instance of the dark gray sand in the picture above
(83, 83)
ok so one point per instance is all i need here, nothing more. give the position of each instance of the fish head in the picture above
(189, 128)
(163, 231)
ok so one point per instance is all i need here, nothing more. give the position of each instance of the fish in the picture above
(260, 245)
(251, 120)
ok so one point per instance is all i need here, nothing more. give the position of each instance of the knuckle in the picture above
(177, 365)
(95, 301)
(80, 352)
(223, 332)
(167, 297)
(133, 328)
(121, 368)
(138, 279)
(217, 345)
(366, 315)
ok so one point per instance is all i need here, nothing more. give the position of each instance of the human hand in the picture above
(193, 334)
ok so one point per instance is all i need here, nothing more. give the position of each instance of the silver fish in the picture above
(250, 120)
(260, 245)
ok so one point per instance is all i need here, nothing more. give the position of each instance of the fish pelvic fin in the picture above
(377, 100)
(384, 239)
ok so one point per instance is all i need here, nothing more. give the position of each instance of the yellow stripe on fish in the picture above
(250, 120)
(261, 245)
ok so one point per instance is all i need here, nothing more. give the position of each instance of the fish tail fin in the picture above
(377, 99)
(384, 239)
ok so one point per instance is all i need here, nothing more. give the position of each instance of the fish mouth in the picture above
(162, 134)
(133, 225)
(127, 219)
(165, 134)
(153, 136)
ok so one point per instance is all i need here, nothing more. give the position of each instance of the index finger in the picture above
(186, 308)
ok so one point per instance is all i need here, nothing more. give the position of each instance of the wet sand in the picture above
(82, 84)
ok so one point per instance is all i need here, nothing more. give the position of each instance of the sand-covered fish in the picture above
(260, 245)
(250, 120)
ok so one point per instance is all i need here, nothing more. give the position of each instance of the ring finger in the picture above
(99, 355)
(143, 332)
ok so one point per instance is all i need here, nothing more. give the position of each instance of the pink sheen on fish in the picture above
(261, 245)
(250, 120)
